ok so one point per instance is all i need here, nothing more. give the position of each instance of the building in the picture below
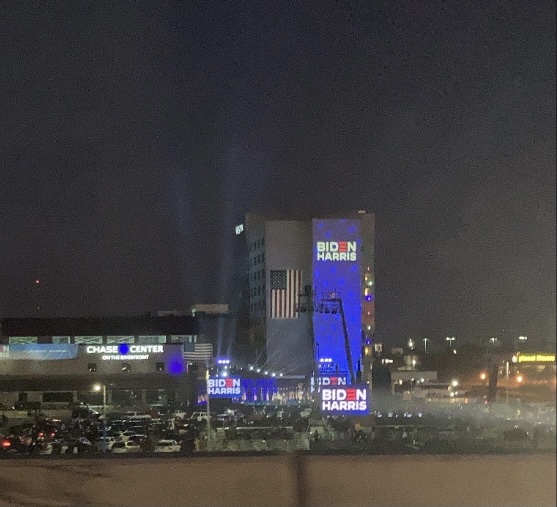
(139, 359)
(311, 290)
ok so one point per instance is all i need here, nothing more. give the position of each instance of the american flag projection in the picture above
(285, 293)
(198, 351)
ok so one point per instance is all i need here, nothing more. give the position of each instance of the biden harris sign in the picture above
(345, 400)
(228, 387)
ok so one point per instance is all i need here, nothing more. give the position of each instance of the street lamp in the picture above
(97, 388)
(209, 440)
(450, 339)
(425, 340)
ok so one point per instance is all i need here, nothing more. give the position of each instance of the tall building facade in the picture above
(312, 291)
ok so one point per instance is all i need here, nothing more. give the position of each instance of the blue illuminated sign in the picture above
(350, 400)
(224, 387)
(40, 351)
(330, 380)
(252, 390)
(337, 280)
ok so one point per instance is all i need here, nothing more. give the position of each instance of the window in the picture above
(60, 339)
(159, 366)
(263, 257)
(262, 241)
(183, 338)
(114, 340)
(58, 397)
(126, 367)
(22, 340)
(89, 340)
(92, 367)
(151, 340)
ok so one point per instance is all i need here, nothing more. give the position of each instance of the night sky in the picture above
(135, 135)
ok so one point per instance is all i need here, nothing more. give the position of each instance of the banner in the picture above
(39, 351)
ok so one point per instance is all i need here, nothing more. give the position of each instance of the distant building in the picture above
(140, 359)
(299, 273)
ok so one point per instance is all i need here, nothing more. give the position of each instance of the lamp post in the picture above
(98, 387)
(209, 439)
(425, 340)
(450, 339)
(507, 381)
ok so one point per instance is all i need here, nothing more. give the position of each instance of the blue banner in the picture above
(39, 351)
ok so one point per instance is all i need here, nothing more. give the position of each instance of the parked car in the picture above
(76, 446)
(200, 416)
(138, 438)
(11, 444)
(137, 416)
(128, 446)
(110, 441)
(167, 446)
(122, 435)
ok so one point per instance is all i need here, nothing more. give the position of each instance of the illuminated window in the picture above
(114, 340)
(60, 339)
(183, 338)
(89, 340)
(151, 340)
(22, 340)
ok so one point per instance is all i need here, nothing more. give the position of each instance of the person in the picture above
(536, 437)
(316, 436)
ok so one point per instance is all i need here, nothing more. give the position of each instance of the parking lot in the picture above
(275, 429)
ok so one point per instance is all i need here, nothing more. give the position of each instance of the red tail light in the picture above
(5, 444)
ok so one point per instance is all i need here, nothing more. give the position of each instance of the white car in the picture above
(167, 446)
(110, 441)
(199, 416)
(123, 435)
(128, 446)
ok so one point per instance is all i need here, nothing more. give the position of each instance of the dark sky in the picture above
(134, 135)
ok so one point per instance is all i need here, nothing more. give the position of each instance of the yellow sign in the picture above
(536, 358)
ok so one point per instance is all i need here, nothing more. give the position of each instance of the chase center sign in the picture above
(124, 352)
